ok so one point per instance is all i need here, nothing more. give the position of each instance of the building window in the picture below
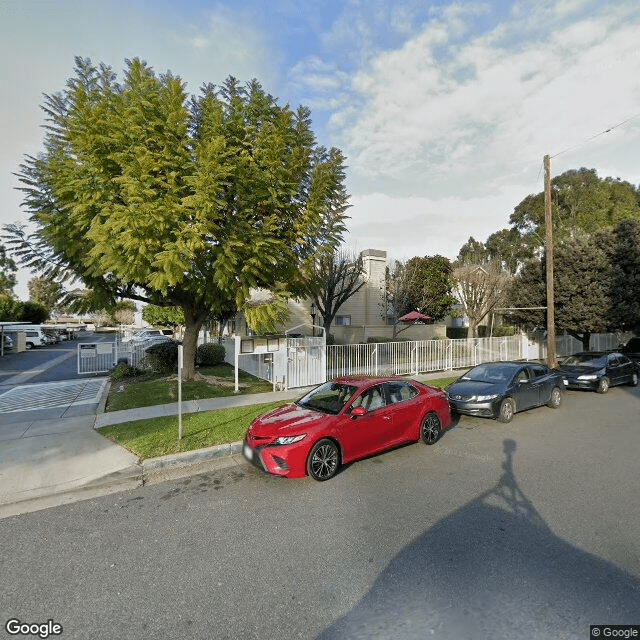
(343, 321)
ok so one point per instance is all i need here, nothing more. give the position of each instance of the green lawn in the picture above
(159, 436)
(155, 437)
(146, 391)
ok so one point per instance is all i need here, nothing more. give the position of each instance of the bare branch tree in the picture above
(336, 277)
(481, 289)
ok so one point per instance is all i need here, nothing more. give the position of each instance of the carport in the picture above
(2, 327)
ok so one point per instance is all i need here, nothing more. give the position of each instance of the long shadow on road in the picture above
(492, 570)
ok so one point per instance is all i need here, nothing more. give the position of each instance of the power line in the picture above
(597, 135)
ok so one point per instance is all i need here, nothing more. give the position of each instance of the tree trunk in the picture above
(584, 337)
(193, 321)
(327, 326)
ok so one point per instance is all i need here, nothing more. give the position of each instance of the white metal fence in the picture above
(100, 357)
(422, 356)
(567, 345)
(287, 363)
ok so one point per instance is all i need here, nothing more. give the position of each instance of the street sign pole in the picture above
(180, 361)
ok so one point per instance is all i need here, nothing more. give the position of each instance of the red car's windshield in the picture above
(328, 398)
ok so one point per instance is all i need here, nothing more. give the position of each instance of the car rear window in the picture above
(399, 391)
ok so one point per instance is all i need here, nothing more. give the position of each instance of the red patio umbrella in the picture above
(414, 316)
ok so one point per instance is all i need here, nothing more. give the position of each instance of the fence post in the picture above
(236, 354)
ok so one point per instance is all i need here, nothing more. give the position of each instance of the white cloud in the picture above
(234, 42)
(419, 226)
(440, 116)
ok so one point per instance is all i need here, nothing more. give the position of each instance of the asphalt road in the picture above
(46, 364)
(526, 530)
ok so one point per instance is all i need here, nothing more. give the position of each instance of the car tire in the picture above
(323, 461)
(634, 380)
(555, 399)
(603, 385)
(507, 410)
(28, 345)
(430, 428)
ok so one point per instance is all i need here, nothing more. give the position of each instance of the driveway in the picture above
(49, 451)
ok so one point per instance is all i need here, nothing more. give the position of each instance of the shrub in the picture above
(503, 330)
(210, 354)
(457, 333)
(123, 370)
(162, 357)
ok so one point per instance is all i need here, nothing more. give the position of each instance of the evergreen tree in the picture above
(582, 272)
(422, 284)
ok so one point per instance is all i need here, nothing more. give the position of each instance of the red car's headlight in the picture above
(289, 439)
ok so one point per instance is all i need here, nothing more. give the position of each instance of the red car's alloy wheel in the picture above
(324, 460)
(430, 428)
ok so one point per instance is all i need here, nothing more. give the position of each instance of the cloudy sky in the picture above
(444, 110)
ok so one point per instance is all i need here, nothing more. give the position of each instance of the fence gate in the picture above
(286, 362)
(306, 362)
(101, 357)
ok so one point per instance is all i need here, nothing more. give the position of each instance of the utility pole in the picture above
(551, 327)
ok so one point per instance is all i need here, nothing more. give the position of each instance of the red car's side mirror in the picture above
(358, 411)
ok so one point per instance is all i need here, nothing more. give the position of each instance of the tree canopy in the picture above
(582, 203)
(145, 193)
(44, 291)
(422, 284)
(596, 284)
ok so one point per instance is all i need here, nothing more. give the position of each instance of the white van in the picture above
(35, 337)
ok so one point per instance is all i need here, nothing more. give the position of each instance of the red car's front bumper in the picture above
(288, 460)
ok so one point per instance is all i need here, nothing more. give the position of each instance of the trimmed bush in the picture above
(210, 354)
(162, 357)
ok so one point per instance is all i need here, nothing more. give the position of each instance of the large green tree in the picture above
(582, 202)
(423, 284)
(32, 312)
(147, 194)
(622, 247)
(582, 273)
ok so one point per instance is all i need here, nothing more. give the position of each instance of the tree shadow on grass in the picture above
(492, 570)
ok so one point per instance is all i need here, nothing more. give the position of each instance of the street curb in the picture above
(102, 403)
(124, 479)
(191, 457)
(176, 465)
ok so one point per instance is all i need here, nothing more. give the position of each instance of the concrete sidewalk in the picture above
(51, 456)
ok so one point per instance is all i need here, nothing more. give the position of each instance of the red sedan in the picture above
(344, 420)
